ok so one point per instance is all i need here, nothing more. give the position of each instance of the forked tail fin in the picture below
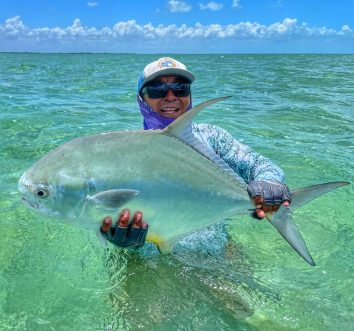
(285, 225)
(283, 220)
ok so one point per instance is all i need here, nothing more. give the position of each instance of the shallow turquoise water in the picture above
(296, 109)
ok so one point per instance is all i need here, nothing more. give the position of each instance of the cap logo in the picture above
(167, 63)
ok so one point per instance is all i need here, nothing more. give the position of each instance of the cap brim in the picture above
(170, 71)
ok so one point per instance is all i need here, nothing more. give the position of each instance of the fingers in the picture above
(137, 220)
(123, 219)
(261, 212)
(261, 209)
(258, 201)
(139, 229)
(106, 224)
(125, 233)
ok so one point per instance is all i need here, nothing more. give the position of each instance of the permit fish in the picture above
(179, 183)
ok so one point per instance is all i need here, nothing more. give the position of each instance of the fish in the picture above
(179, 183)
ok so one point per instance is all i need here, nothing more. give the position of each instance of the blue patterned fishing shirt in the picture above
(248, 164)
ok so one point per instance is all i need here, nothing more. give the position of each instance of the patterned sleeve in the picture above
(248, 164)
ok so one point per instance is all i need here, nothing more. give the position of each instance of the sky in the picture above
(173, 26)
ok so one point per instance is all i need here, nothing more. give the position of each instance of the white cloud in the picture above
(236, 4)
(288, 26)
(13, 27)
(79, 37)
(176, 6)
(92, 4)
(346, 29)
(211, 6)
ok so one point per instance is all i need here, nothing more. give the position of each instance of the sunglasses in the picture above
(157, 91)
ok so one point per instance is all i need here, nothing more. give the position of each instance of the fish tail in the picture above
(283, 220)
(285, 225)
(304, 195)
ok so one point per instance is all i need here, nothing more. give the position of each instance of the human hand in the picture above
(123, 233)
(268, 196)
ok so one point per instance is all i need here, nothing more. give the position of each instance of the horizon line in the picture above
(173, 53)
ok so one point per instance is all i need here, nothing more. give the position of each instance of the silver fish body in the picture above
(178, 189)
(174, 179)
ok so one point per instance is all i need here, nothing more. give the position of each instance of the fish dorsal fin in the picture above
(181, 128)
(182, 124)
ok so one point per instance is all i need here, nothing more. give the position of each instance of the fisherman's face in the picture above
(170, 106)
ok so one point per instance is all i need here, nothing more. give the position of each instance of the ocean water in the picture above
(296, 109)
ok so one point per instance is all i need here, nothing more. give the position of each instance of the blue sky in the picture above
(173, 26)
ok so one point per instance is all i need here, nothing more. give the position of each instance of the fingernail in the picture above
(124, 219)
(106, 224)
(107, 220)
(124, 212)
(137, 220)
(261, 214)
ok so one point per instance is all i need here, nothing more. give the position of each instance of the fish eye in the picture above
(42, 193)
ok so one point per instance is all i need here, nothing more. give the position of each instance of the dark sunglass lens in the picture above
(155, 92)
(181, 90)
(160, 90)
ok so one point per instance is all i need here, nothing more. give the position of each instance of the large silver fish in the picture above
(179, 184)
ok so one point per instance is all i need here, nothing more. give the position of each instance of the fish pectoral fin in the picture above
(113, 199)
(285, 225)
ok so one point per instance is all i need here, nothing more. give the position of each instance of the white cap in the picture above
(162, 67)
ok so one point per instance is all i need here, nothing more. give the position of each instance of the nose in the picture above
(170, 95)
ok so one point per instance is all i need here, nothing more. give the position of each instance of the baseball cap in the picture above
(161, 67)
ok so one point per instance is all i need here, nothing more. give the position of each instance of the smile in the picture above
(170, 110)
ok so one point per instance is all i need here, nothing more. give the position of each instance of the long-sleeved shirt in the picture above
(248, 164)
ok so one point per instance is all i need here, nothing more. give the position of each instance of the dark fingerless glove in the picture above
(128, 236)
(272, 192)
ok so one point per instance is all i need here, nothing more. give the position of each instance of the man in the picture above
(163, 95)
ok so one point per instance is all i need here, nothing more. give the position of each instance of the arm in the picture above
(249, 165)
(264, 178)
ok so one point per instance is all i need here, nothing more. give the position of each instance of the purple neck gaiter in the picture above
(153, 120)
